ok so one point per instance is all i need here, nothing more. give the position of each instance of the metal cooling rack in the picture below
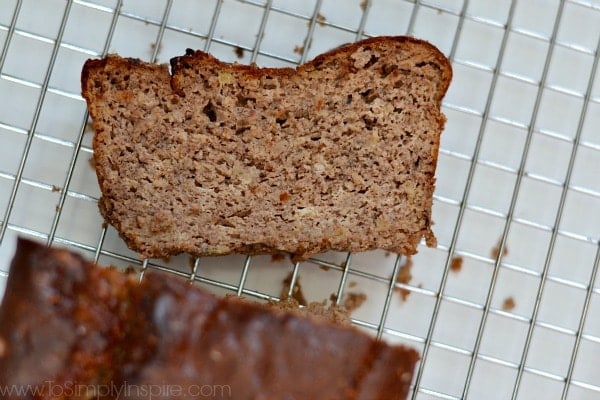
(518, 172)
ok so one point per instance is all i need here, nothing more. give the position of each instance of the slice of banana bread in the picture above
(211, 158)
(72, 330)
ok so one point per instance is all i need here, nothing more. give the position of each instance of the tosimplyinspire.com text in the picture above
(119, 391)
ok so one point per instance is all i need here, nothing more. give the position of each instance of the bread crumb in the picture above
(153, 47)
(332, 313)
(324, 267)
(404, 276)
(57, 208)
(92, 162)
(352, 301)
(363, 5)
(456, 264)
(387, 254)
(239, 52)
(496, 251)
(508, 304)
(352, 284)
(298, 49)
(321, 19)
(297, 293)
(55, 188)
(277, 257)
(89, 127)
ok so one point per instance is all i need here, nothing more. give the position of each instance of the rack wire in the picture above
(517, 204)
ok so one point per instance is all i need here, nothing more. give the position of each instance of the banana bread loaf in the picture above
(211, 158)
(72, 330)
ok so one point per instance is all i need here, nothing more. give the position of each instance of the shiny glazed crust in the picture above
(66, 323)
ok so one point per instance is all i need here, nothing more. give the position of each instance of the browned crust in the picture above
(178, 63)
(66, 321)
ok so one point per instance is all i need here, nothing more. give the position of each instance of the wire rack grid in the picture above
(506, 306)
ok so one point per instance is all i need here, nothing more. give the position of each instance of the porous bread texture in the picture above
(321, 311)
(212, 158)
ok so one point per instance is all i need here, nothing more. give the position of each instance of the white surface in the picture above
(504, 132)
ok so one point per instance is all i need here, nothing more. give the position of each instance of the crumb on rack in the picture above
(320, 19)
(352, 300)
(352, 284)
(456, 264)
(404, 276)
(92, 162)
(55, 188)
(387, 254)
(297, 293)
(496, 251)
(89, 127)
(332, 313)
(153, 47)
(509, 304)
(239, 52)
(324, 267)
(364, 4)
(299, 49)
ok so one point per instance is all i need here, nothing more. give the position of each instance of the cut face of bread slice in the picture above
(211, 158)
(72, 330)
